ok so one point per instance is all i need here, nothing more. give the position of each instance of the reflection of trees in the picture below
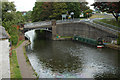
(40, 39)
(107, 76)
(43, 34)
(54, 58)
(40, 34)
(62, 63)
(39, 44)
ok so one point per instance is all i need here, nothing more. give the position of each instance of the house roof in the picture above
(3, 33)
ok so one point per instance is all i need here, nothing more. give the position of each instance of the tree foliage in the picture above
(7, 7)
(88, 13)
(37, 9)
(77, 8)
(118, 40)
(58, 9)
(54, 10)
(10, 19)
(28, 16)
(109, 7)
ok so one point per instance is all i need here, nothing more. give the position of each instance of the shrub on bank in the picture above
(118, 40)
(12, 31)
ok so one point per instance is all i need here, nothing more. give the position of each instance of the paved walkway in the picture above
(4, 59)
(26, 69)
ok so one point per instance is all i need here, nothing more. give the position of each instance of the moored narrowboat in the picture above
(100, 43)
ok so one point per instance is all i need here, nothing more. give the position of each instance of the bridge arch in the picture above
(43, 29)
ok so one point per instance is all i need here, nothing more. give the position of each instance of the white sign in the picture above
(64, 15)
(70, 16)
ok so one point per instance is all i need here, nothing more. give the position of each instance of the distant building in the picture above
(23, 13)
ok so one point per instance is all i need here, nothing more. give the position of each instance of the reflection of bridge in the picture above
(83, 28)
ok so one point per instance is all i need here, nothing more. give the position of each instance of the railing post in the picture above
(54, 30)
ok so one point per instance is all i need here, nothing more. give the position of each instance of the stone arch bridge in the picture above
(70, 28)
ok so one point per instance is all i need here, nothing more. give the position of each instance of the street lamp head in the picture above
(72, 13)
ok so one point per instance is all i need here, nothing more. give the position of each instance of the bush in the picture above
(118, 40)
(12, 31)
(14, 39)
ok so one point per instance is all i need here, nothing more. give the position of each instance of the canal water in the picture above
(70, 59)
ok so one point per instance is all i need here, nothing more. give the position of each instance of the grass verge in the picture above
(14, 67)
(111, 22)
(19, 43)
(66, 37)
(98, 15)
(27, 60)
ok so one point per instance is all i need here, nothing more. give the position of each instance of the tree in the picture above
(58, 9)
(18, 18)
(109, 7)
(7, 7)
(88, 13)
(10, 19)
(36, 13)
(77, 8)
(118, 40)
(0, 10)
(46, 10)
(28, 16)
(41, 11)
(54, 10)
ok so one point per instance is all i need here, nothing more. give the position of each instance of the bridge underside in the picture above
(39, 28)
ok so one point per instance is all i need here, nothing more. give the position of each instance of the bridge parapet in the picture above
(44, 23)
(36, 24)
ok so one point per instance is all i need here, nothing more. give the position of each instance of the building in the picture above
(3, 33)
(4, 54)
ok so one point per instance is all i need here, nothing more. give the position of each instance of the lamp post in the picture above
(87, 15)
(72, 13)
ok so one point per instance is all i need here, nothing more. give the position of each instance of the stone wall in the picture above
(83, 30)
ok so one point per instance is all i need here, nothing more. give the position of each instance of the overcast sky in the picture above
(26, 5)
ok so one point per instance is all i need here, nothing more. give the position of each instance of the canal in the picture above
(70, 59)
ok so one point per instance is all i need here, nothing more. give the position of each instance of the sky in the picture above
(27, 5)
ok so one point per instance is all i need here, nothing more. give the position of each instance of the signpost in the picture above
(64, 16)
(72, 13)
(87, 15)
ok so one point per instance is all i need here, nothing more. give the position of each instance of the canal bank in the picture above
(88, 41)
(113, 46)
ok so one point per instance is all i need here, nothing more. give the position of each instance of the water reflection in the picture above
(53, 57)
(68, 59)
